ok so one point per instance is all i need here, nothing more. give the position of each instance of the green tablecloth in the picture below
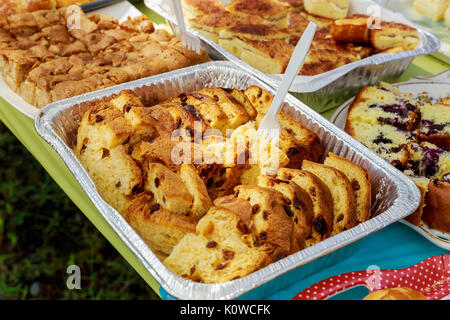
(23, 128)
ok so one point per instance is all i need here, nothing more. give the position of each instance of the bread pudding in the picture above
(263, 33)
(44, 58)
(211, 199)
(413, 135)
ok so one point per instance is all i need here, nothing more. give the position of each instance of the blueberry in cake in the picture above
(413, 134)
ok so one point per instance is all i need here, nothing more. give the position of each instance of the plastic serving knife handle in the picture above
(295, 63)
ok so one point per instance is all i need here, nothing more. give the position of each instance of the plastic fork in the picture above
(189, 42)
(269, 127)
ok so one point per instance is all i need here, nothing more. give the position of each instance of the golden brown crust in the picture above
(436, 213)
(350, 29)
(265, 9)
(65, 61)
(271, 224)
(395, 294)
(342, 193)
(320, 197)
(298, 207)
(159, 228)
(359, 180)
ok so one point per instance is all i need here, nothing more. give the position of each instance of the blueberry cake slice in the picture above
(428, 160)
(435, 124)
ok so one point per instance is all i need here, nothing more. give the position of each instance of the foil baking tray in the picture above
(394, 195)
(326, 90)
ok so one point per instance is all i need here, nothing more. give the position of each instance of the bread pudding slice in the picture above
(222, 248)
(160, 229)
(168, 188)
(322, 202)
(393, 34)
(265, 9)
(197, 8)
(197, 188)
(297, 205)
(344, 208)
(271, 223)
(351, 29)
(334, 9)
(359, 180)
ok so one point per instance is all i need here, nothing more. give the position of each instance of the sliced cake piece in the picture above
(384, 104)
(320, 197)
(297, 205)
(428, 160)
(168, 189)
(334, 9)
(393, 34)
(195, 8)
(351, 29)
(422, 183)
(115, 174)
(136, 114)
(437, 211)
(359, 180)
(341, 192)
(204, 108)
(435, 124)
(271, 223)
(222, 249)
(265, 9)
(160, 229)
(210, 25)
(236, 113)
(202, 202)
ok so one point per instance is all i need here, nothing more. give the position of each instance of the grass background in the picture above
(42, 232)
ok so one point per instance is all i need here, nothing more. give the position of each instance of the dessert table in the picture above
(396, 246)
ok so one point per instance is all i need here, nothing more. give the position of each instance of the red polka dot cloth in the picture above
(431, 277)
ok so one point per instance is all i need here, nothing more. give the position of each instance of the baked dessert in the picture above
(297, 205)
(351, 29)
(359, 180)
(435, 124)
(221, 249)
(196, 8)
(45, 57)
(334, 9)
(436, 213)
(432, 9)
(263, 33)
(392, 34)
(265, 9)
(321, 200)
(342, 194)
(8, 7)
(160, 229)
(412, 134)
(384, 120)
(395, 294)
(223, 214)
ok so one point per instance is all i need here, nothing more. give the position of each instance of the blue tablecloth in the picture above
(394, 247)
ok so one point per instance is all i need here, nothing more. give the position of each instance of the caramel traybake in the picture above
(219, 203)
(254, 31)
(48, 55)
